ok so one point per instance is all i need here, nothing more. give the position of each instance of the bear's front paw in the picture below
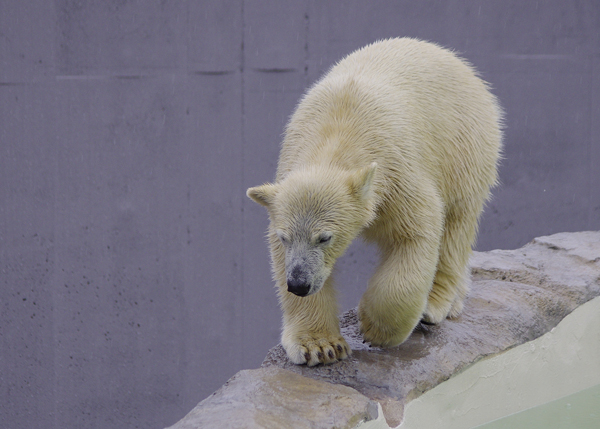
(380, 332)
(313, 348)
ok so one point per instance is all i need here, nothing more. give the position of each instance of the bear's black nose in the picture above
(298, 287)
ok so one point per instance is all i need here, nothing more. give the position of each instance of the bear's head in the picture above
(315, 214)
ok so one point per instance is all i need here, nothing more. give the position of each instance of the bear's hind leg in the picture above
(462, 290)
(446, 297)
(452, 279)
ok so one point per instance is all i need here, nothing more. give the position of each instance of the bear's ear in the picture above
(362, 181)
(263, 195)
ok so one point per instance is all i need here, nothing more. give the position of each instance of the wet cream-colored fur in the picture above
(399, 143)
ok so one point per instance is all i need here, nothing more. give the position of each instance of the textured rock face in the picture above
(517, 295)
(276, 398)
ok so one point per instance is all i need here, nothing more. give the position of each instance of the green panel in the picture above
(580, 410)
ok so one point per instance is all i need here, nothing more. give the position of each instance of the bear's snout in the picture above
(298, 287)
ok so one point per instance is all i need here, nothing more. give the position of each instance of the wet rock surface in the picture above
(516, 296)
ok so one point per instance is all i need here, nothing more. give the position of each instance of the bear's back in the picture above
(407, 105)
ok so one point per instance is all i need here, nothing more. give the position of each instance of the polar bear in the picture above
(399, 143)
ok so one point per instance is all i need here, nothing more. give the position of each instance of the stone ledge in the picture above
(517, 296)
(277, 398)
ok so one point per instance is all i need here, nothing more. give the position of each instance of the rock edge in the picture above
(516, 296)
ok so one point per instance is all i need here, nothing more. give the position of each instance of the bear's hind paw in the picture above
(456, 309)
(436, 313)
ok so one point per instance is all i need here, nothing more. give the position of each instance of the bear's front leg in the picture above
(311, 331)
(397, 293)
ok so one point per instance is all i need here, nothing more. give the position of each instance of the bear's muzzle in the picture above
(298, 287)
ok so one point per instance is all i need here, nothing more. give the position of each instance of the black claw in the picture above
(330, 354)
(307, 356)
(320, 355)
(339, 348)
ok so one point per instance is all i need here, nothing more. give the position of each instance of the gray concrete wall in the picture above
(134, 277)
